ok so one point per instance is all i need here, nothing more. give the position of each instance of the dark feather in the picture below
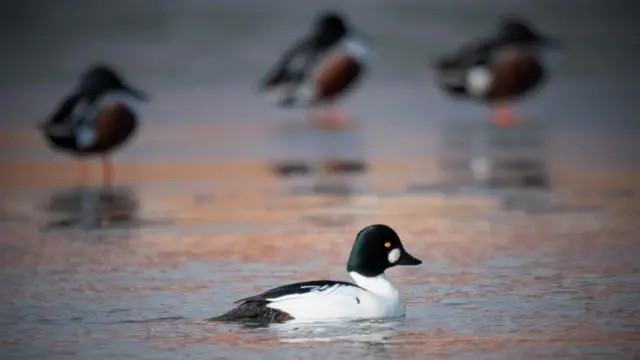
(57, 129)
(62, 112)
(282, 72)
(291, 289)
(454, 66)
(253, 311)
(478, 53)
(113, 125)
(254, 308)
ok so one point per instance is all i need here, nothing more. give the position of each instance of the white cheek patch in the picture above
(394, 256)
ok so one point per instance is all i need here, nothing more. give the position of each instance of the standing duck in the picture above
(100, 115)
(319, 69)
(498, 70)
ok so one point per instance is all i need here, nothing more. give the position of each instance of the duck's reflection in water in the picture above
(336, 181)
(328, 164)
(373, 333)
(90, 208)
(336, 178)
(490, 156)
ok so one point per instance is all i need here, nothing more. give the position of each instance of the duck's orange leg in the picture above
(332, 119)
(107, 171)
(81, 172)
(503, 115)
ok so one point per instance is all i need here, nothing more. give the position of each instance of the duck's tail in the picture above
(252, 312)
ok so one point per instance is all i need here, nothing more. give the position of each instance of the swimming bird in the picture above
(97, 117)
(319, 69)
(497, 70)
(376, 248)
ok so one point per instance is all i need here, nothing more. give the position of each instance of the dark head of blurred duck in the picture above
(330, 27)
(99, 79)
(516, 31)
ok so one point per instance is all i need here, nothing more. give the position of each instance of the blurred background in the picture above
(201, 62)
(220, 195)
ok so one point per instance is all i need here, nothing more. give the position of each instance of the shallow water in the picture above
(510, 269)
(518, 307)
(508, 272)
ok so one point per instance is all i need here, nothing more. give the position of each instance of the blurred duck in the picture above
(100, 115)
(498, 70)
(319, 69)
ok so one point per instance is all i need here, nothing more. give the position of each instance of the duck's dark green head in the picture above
(516, 30)
(330, 27)
(377, 248)
(100, 78)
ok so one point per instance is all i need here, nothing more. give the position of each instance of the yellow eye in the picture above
(387, 244)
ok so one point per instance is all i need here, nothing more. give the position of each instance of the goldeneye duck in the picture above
(318, 69)
(376, 248)
(97, 117)
(497, 70)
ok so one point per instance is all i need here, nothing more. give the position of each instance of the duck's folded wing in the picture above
(279, 303)
(293, 65)
(64, 110)
(468, 56)
(300, 290)
(59, 124)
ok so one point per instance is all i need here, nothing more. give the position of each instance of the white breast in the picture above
(120, 97)
(376, 299)
(356, 48)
